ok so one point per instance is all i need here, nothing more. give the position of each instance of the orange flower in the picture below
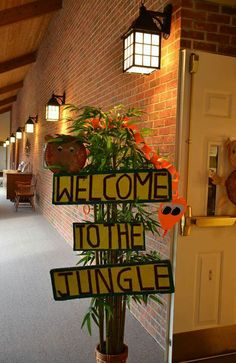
(125, 121)
(138, 138)
(95, 123)
(132, 127)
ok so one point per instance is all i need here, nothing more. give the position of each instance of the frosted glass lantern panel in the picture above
(147, 49)
(147, 38)
(139, 37)
(155, 62)
(53, 113)
(138, 48)
(138, 59)
(155, 39)
(155, 51)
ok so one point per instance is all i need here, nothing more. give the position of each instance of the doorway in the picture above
(205, 297)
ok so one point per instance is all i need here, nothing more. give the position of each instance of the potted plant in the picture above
(114, 143)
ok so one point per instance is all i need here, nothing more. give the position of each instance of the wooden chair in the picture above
(25, 193)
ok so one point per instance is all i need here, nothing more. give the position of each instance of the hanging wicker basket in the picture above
(107, 358)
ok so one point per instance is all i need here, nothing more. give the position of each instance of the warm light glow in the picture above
(52, 113)
(29, 128)
(18, 134)
(142, 52)
(4, 144)
(12, 139)
(7, 142)
(141, 70)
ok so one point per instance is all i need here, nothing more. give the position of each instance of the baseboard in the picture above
(203, 343)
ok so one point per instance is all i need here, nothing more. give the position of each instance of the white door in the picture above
(205, 266)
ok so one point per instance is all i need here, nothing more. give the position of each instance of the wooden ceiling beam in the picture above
(8, 100)
(17, 62)
(27, 11)
(11, 87)
(5, 109)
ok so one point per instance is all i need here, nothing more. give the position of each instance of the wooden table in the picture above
(10, 177)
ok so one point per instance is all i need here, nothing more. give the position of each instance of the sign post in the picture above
(149, 186)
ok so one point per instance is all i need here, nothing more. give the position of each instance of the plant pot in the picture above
(110, 358)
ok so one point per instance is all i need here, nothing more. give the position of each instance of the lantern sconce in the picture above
(12, 138)
(7, 142)
(142, 42)
(29, 126)
(53, 107)
(19, 132)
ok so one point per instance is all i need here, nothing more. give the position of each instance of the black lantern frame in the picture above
(29, 125)
(53, 107)
(142, 42)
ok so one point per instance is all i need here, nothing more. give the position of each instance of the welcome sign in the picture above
(151, 185)
(109, 280)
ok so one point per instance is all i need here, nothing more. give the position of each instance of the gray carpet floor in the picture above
(33, 327)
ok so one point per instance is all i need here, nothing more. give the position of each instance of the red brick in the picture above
(218, 18)
(218, 38)
(227, 50)
(227, 29)
(204, 26)
(233, 41)
(191, 14)
(187, 23)
(204, 46)
(192, 34)
(184, 43)
(187, 3)
(203, 5)
(231, 10)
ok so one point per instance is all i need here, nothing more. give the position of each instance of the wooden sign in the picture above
(126, 279)
(108, 236)
(151, 185)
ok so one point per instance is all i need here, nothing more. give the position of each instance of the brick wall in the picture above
(208, 26)
(81, 54)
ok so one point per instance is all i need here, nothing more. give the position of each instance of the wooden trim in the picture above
(8, 100)
(11, 87)
(5, 109)
(198, 344)
(17, 62)
(27, 11)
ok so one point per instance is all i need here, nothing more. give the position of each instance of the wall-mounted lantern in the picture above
(19, 133)
(4, 144)
(12, 138)
(142, 42)
(29, 126)
(53, 107)
(7, 142)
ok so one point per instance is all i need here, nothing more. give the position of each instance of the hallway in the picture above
(35, 328)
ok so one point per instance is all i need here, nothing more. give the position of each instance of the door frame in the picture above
(181, 162)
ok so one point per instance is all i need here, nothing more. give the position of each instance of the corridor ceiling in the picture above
(23, 24)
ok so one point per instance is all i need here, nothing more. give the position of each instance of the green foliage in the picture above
(111, 144)
(110, 138)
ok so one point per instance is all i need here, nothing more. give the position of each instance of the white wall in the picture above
(3, 158)
(4, 126)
